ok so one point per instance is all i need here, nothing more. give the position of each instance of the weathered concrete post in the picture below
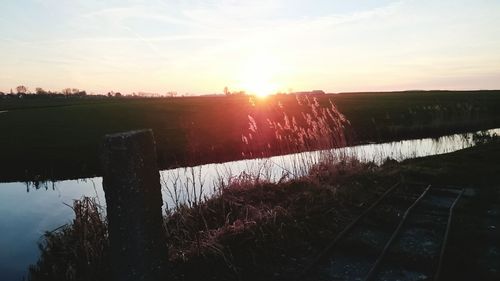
(133, 197)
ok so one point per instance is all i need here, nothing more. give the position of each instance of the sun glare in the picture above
(262, 89)
(258, 76)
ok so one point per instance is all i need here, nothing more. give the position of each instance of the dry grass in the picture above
(313, 127)
(271, 129)
(78, 251)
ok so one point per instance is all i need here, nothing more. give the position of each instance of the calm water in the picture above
(27, 211)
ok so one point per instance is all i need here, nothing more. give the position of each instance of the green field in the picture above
(60, 138)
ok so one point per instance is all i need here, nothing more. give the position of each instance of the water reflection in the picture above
(190, 184)
(29, 209)
(35, 185)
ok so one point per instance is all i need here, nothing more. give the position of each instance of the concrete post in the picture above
(131, 184)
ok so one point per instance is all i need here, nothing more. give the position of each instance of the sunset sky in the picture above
(199, 46)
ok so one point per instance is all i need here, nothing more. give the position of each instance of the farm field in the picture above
(61, 138)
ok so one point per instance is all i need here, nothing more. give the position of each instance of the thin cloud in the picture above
(177, 42)
(121, 14)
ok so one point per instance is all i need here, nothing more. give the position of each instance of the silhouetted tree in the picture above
(21, 89)
(40, 91)
(66, 91)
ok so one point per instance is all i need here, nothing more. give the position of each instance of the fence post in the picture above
(132, 188)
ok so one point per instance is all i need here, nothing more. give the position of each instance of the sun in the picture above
(259, 76)
(261, 89)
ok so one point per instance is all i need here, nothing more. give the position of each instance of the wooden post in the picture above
(132, 187)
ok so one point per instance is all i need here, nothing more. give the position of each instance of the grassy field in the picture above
(60, 138)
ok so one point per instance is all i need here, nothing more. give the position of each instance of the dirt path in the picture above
(374, 250)
(475, 246)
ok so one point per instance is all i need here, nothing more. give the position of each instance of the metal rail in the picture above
(348, 228)
(376, 265)
(445, 239)
(447, 186)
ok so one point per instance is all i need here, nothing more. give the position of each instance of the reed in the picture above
(78, 251)
(312, 127)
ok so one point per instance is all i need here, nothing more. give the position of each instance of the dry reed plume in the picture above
(315, 127)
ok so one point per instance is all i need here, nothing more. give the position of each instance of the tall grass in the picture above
(78, 251)
(435, 118)
(296, 128)
(271, 130)
(313, 127)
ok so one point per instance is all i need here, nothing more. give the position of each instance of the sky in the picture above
(201, 46)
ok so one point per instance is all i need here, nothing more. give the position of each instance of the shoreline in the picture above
(71, 176)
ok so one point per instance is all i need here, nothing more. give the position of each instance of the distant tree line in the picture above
(22, 91)
(233, 93)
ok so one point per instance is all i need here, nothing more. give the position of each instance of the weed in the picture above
(78, 251)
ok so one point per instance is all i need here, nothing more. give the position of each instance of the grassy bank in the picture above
(263, 231)
(60, 138)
